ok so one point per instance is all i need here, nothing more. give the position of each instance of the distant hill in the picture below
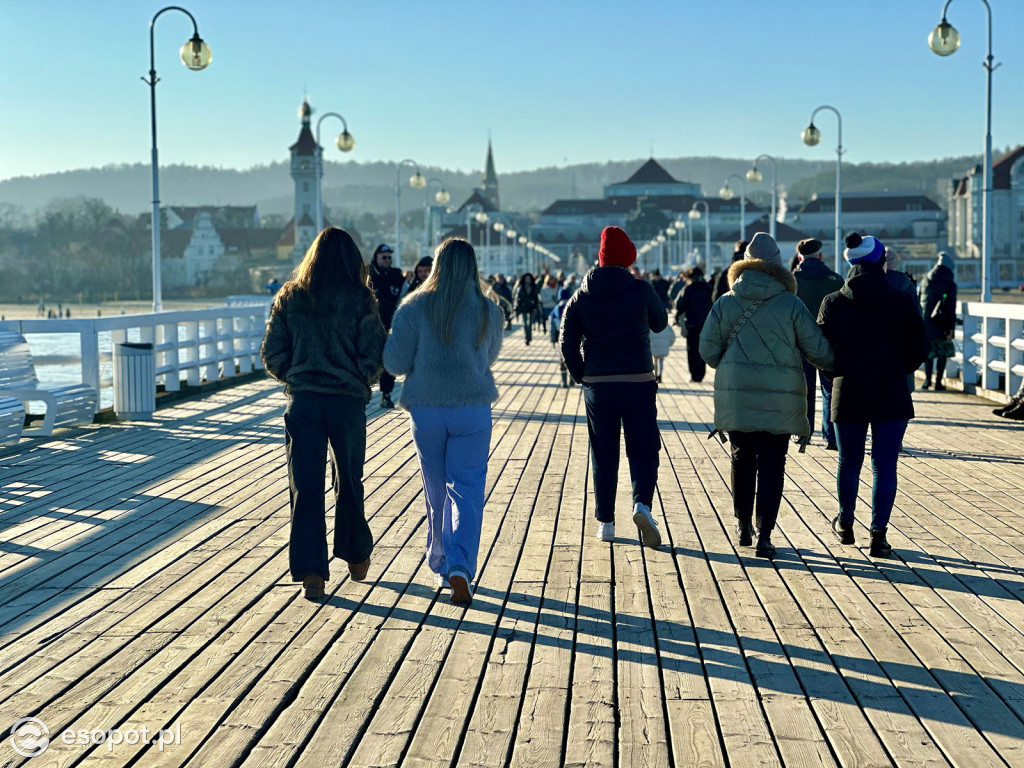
(357, 188)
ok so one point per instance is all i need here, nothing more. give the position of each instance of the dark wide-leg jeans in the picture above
(313, 423)
(758, 473)
(694, 361)
(631, 407)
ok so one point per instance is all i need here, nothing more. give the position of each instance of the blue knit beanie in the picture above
(863, 250)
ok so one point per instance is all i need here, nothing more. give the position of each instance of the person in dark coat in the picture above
(815, 281)
(605, 342)
(722, 286)
(661, 287)
(692, 308)
(502, 289)
(937, 293)
(525, 302)
(386, 282)
(676, 288)
(419, 275)
(878, 338)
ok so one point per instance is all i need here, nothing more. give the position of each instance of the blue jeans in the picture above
(886, 443)
(813, 375)
(452, 445)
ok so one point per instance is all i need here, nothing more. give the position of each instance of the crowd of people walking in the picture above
(777, 335)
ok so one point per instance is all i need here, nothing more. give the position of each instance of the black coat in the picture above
(386, 284)
(661, 287)
(938, 287)
(607, 324)
(694, 305)
(878, 338)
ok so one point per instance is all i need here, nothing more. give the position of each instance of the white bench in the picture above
(66, 404)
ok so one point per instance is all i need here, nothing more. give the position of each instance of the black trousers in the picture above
(631, 408)
(387, 383)
(758, 463)
(313, 423)
(693, 359)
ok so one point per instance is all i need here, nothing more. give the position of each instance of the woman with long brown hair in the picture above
(444, 339)
(324, 342)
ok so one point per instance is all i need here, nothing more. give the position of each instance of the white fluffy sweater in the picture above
(440, 375)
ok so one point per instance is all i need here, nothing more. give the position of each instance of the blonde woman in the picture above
(444, 339)
(324, 342)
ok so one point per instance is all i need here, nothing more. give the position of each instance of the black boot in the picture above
(765, 548)
(842, 531)
(1016, 413)
(1003, 409)
(565, 379)
(879, 546)
(745, 532)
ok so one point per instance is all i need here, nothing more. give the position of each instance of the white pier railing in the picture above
(190, 345)
(990, 348)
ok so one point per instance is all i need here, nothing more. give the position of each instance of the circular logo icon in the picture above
(30, 737)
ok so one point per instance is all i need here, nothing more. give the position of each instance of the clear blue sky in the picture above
(576, 80)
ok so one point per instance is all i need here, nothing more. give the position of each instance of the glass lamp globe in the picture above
(754, 175)
(442, 196)
(944, 39)
(811, 135)
(481, 217)
(511, 233)
(522, 240)
(694, 214)
(195, 54)
(679, 224)
(531, 246)
(670, 231)
(345, 141)
(726, 193)
(498, 226)
(417, 181)
(662, 238)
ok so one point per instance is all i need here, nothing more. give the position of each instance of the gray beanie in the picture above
(764, 248)
(945, 260)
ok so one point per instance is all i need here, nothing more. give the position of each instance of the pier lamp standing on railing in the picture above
(416, 181)
(944, 40)
(195, 54)
(754, 176)
(811, 137)
(345, 142)
(694, 214)
(442, 197)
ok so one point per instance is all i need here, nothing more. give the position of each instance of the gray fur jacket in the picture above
(436, 374)
(334, 350)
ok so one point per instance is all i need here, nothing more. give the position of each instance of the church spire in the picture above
(491, 178)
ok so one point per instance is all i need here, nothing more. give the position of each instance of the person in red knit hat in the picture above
(605, 342)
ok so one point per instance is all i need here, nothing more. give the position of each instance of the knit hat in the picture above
(383, 248)
(617, 250)
(764, 248)
(808, 247)
(863, 250)
(946, 260)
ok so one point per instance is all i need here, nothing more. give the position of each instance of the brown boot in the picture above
(358, 570)
(313, 587)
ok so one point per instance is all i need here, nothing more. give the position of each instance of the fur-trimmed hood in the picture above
(758, 287)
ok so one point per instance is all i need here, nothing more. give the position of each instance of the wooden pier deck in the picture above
(143, 582)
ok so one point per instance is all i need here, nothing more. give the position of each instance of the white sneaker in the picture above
(649, 535)
(440, 581)
(606, 531)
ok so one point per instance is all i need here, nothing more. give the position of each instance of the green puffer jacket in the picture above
(760, 384)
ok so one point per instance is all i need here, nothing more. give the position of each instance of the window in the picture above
(305, 186)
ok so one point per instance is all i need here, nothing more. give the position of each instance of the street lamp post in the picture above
(345, 143)
(482, 219)
(442, 197)
(754, 176)
(811, 136)
(670, 231)
(416, 181)
(944, 40)
(694, 215)
(195, 54)
(511, 234)
(499, 228)
(726, 193)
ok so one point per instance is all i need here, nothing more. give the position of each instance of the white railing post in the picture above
(968, 368)
(1014, 355)
(89, 345)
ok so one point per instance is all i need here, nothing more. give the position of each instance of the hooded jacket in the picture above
(386, 284)
(606, 325)
(693, 305)
(815, 281)
(760, 384)
(334, 349)
(878, 337)
(938, 287)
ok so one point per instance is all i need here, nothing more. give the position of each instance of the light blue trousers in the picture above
(452, 446)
